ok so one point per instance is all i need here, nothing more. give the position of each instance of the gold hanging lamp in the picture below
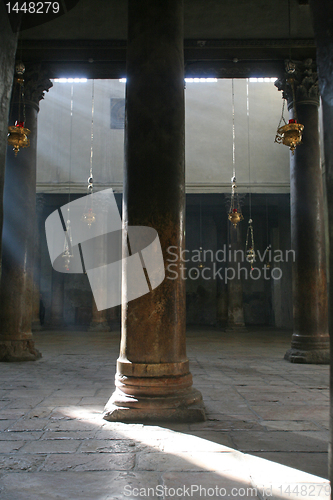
(289, 134)
(234, 214)
(18, 133)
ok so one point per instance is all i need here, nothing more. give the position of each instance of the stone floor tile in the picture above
(21, 463)
(191, 461)
(30, 424)
(290, 425)
(70, 425)
(312, 463)
(77, 485)
(5, 424)
(68, 434)
(10, 446)
(110, 446)
(20, 435)
(205, 485)
(89, 462)
(280, 441)
(195, 443)
(55, 446)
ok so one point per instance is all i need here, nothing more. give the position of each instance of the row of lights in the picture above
(187, 80)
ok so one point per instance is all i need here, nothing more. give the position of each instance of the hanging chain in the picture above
(68, 251)
(91, 179)
(233, 131)
(282, 119)
(70, 144)
(249, 250)
(291, 81)
(248, 142)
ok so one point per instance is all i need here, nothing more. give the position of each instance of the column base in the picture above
(99, 327)
(36, 326)
(18, 350)
(314, 356)
(186, 407)
(235, 328)
(57, 325)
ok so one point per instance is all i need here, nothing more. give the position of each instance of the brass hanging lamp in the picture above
(289, 134)
(234, 214)
(18, 133)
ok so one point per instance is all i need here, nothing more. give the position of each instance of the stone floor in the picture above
(261, 412)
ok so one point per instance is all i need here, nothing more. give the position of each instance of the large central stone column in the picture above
(16, 291)
(153, 379)
(310, 340)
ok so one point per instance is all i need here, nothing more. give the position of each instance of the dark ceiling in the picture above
(239, 38)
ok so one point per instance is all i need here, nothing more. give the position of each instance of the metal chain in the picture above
(233, 130)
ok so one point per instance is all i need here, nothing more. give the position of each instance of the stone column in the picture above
(99, 321)
(221, 287)
(57, 300)
(235, 287)
(153, 379)
(8, 42)
(322, 13)
(310, 340)
(36, 324)
(16, 291)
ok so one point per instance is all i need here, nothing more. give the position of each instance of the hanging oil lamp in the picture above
(18, 133)
(235, 214)
(290, 134)
(249, 245)
(67, 254)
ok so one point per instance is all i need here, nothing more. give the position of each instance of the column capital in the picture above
(304, 77)
(36, 83)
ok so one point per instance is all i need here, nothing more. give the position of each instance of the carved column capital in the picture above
(304, 78)
(36, 83)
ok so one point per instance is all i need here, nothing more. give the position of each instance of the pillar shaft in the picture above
(16, 291)
(322, 15)
(99, 320)
(235, 286)
(57, 300)
(8, 42)
(37, 317)
(310, 340)
(153, 379)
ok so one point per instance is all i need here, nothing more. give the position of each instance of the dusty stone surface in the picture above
(267, 421)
